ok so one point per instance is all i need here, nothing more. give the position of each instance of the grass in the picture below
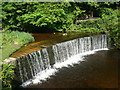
(12, 41)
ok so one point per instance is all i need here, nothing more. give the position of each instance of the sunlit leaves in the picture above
(50, 15)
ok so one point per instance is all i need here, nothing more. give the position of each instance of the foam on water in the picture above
(45, 74)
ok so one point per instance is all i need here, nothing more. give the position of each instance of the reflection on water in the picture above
(99, 70)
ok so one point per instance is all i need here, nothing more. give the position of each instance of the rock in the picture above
(9, 60)
(42, 46)
(31, 45)
(16, 43)
(64, 34)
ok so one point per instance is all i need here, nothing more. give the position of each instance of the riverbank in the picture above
(12, 41)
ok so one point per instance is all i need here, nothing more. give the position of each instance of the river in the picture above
(99, 70)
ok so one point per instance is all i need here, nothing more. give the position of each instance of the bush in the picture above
(108, 23)
(106, 11)
(38, 17)
(90, 26)
(111, 27)
(6, 76)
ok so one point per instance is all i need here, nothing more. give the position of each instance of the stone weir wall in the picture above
(29, 66)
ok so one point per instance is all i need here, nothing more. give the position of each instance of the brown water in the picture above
(43, 40)
(99, 70)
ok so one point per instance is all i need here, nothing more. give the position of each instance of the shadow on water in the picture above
(99, 70)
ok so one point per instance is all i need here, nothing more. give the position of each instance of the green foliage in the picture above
(108, 24)
(46, 16)
(11, 41)
(49, 16)
(7, 73)
(52, 16)
(90, 25)
(106, 11)
(60, 16)
(111, 27)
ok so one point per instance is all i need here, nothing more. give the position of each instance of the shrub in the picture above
(108, 23)
(111, 27)
(6, 76)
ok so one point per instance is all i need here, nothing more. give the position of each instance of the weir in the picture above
(39, 65)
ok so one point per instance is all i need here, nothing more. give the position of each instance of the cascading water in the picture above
(39, 65)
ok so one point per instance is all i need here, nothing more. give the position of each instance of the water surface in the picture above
(99, 70)
(43, 40)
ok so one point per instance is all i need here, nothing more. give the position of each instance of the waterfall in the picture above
(39, 65)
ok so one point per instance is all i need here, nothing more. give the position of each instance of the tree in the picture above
(53, 16)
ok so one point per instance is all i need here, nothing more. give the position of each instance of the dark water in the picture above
(99, 70)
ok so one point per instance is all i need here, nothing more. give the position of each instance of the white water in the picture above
(64, 54)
